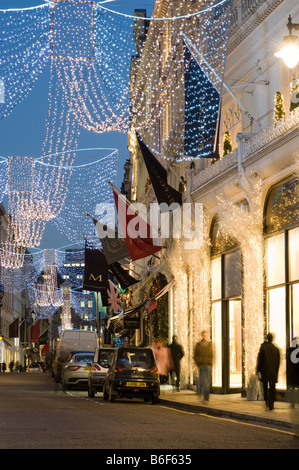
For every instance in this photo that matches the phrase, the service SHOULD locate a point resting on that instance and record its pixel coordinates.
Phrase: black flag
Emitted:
(43, 338)
(14, 329)
(158, 176)
(202, 105)
(115, 249)
(122, 275)
(96, 270)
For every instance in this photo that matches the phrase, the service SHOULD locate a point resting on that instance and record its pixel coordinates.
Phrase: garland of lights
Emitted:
(91, 52)
(246, 226)
(212, 6)
(24, 51)
(71, 221)
(47, 293)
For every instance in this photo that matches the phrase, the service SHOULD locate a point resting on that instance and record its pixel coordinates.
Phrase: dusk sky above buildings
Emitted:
(22, 132)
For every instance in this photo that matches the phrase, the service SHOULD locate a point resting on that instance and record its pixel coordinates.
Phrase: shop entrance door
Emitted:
(234, 344)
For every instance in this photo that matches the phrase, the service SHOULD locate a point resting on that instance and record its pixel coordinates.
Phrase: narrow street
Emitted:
(35, 413)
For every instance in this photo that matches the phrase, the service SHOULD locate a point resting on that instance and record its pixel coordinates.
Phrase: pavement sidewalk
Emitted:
(232, 406)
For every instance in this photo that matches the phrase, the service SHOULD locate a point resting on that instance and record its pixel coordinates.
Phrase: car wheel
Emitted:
(155, 400)
(112, 397)
(105, 394)
(146, 399)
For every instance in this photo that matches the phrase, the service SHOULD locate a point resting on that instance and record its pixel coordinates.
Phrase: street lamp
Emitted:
(289, 51)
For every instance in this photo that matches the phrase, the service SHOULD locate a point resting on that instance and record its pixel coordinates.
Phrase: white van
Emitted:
(72, 341)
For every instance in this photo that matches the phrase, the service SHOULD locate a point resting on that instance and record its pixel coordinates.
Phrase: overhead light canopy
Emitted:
(289, 51)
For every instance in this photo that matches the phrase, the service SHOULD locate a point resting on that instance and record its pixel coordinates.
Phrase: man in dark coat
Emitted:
(177, 353)
(267, 368)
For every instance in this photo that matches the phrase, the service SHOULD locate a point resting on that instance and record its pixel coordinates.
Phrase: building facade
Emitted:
(243, 281)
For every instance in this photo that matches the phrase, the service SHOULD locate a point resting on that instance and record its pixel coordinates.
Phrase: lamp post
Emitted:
(289, 51)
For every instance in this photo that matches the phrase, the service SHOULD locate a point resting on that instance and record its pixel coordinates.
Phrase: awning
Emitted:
(127, 312)
(165, 289)
(5, 343)
(151, 304)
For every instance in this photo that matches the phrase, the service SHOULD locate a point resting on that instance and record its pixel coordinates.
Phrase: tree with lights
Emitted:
(279, 111)
(227, 143)
(160, 314)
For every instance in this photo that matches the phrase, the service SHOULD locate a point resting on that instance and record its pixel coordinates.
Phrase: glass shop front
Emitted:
(281, 267)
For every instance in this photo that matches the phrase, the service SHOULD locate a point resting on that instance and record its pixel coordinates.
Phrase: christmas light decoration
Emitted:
(158, 88)
(178, 267)
(47, 293)
(279, 110)
(71, 263)
(246, 226)
(227, 143)
(66, 314)
(71, 220)
(18, 267)
(25, 208)
(91, 49)
(24, 52)
(83, 304)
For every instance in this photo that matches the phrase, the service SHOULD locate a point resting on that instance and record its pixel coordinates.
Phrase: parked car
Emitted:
(99, 368)
(35, 368)
(133, 374)
(75, 370)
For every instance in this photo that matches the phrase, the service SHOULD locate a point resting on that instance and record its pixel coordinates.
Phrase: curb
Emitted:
(226, 413)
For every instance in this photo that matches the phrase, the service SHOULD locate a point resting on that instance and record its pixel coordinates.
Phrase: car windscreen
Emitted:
(82, 358)
(129, 358)
(105, 358)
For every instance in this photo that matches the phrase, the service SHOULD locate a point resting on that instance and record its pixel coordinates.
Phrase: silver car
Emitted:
(99, 368)
(75, 371)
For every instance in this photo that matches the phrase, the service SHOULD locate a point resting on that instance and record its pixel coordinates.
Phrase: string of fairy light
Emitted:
(91, 49)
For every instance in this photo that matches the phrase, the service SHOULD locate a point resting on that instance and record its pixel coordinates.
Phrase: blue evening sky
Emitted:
(22, 132)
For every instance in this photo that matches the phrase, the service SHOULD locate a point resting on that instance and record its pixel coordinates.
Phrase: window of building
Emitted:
(226, 293)
(282, 266)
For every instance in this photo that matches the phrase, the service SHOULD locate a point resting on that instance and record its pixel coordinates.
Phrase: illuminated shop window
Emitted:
(226, 290)
(282, 267)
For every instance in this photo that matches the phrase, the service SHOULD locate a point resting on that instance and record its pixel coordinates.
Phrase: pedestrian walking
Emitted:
(161, 353)
(11, 366)
(268, 362)
(203, 357)
(177, 353)
(3, 367)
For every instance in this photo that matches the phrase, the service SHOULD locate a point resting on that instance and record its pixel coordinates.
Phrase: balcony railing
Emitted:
(260, 141)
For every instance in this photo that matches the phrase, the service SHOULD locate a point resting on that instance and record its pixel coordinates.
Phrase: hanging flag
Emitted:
(202, 104)
(114, 298)
(43, 338)
(136, 230)
(115, 249)
(96, 270)
(13, 329)
(34, 333)
(122, 275)
(151, 305)
(158, 176)
(23, 335)
(45, 349)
